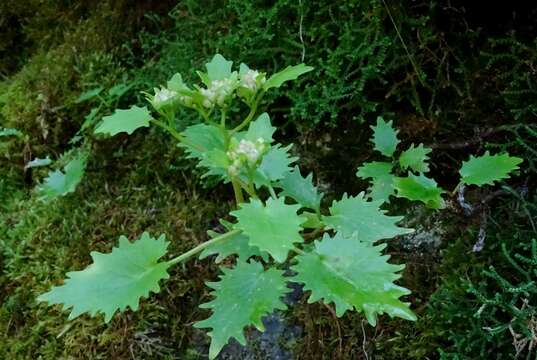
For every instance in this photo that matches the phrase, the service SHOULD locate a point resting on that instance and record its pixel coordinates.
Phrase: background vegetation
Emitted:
(458, 78)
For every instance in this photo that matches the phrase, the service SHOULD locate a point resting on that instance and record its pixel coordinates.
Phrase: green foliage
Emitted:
(301, 189)
(381, 173)
(356, 215)
(242, 296)
(487, 169)
(419, 188)
(218, 68)
(249, 160)
(477, 171)
(273, 227)
(60, 183)
(124, 121)
(385, 137)
(352, 274)
(238, 244)
(287, 74)
(114, 281)
(415, 158)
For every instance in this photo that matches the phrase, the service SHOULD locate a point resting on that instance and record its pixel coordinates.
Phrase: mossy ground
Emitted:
(142, 183)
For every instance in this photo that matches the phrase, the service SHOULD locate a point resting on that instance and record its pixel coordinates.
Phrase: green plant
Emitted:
(404, 176)
(279, 218)
(242, 152)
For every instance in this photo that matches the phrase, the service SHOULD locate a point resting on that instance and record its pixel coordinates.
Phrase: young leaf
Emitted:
(242, 297)
(176, 84)
(59, 183)
(124, 121)
(114, 280)
(419, 188)
(274, 166)
(218, 68)
(300, 189)
(382, 187)
(90, 94)
(235, 245)
(365, 218)
(287, 74)
(272, 228)
(488, 168)
(352, 274)
(38, 162)
(415, 158)
(206, 144)
(261, 128)
(385, 137)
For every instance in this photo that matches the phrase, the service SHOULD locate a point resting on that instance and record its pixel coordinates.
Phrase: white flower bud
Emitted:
(163, 95)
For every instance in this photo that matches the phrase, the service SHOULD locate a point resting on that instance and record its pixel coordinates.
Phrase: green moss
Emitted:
(40, 242)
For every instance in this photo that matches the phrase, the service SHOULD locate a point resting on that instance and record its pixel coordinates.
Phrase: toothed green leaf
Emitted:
(300, 189)
(235, 245)
(287, 74)
(59, 183)
(352, 274)
(382, 179)
(488, 168)
(114, 281)
(419, 188)
(206, 144)
(218, 68)
(276, 163)
(273, 227)
(365, 218)
(385, 137)
(242, 297)
(124, 121)
(261, 128)
(415, 158)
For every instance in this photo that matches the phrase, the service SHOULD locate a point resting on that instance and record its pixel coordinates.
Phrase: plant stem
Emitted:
(176, 134)
(237, 190)
(456, 188)
(200, 247)
(250, 116)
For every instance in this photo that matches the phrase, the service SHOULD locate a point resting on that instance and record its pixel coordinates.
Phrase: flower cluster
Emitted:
(246, 152)
(162, 97)
(250, 79)
(218, 92)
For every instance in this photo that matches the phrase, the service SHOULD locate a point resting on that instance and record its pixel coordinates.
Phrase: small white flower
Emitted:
(162, 95)
(217, 93)
(249, 79)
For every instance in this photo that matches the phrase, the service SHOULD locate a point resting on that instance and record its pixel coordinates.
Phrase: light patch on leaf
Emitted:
(352, 274)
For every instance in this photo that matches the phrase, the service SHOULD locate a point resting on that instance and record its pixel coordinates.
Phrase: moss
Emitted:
(40, 242)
